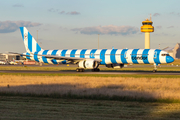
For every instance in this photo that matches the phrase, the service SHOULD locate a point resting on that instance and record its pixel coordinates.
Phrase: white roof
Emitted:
(168, 49)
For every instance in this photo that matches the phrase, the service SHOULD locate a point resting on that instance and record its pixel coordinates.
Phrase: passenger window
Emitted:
(164, 54)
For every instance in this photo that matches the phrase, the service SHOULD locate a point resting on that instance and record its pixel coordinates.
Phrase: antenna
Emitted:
(150, 18)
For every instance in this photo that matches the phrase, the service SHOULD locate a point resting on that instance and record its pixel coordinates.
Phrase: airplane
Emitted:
(92, 58)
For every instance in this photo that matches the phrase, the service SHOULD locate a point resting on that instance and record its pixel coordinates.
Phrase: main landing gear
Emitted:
(155, 68)
(79, 70)
(96, 70)
(82, 70)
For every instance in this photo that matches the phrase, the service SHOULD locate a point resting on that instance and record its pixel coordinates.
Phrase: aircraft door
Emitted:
(155, 55)
(125, 55)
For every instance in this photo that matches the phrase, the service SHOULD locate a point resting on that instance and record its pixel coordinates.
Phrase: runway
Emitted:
(89, 72)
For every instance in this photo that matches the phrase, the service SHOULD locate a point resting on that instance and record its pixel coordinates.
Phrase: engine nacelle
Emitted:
(115, 65)
(88, 64)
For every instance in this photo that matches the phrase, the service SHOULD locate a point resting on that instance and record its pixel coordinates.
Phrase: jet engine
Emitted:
(115, 65)
(88, 64)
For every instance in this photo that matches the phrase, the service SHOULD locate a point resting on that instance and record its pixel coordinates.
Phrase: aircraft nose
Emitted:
(169, 59)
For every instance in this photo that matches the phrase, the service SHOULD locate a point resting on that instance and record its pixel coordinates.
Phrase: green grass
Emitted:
(71, 96)
(17, 107)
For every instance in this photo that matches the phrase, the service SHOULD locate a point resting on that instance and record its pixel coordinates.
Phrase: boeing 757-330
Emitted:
(92, 58)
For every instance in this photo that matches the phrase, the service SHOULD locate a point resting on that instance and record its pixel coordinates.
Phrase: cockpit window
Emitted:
(147, 23)
(164, 54)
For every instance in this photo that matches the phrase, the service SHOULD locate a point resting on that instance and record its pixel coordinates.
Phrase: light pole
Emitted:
(98, 41)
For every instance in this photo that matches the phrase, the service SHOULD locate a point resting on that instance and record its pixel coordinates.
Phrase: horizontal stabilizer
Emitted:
(19, 54)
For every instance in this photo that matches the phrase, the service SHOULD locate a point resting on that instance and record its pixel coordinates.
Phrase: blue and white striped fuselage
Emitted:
(107, 56)
(92, 58)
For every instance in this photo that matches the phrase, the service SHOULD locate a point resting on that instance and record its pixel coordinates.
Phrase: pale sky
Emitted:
(75, 24)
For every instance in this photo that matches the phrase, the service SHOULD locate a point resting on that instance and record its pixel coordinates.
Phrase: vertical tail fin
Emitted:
(29, 42)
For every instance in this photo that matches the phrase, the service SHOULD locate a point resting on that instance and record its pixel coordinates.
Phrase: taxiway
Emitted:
(89, 72)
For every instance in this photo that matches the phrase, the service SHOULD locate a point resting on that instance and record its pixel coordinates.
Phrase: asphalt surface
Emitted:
(89, 72)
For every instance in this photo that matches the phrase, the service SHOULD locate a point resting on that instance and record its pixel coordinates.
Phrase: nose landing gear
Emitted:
(155, 67)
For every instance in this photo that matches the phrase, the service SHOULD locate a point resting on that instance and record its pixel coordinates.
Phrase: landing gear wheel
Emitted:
(79, 70)
(154, 71)
(96, 70)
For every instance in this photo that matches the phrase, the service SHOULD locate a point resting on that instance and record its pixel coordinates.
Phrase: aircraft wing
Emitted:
(72, 59)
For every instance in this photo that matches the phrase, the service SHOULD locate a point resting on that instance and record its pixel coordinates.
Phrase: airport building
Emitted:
(2, 57)
(10, 57)
(173, 51)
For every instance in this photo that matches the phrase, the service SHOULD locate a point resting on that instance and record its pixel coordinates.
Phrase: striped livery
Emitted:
(108, 56)
(101, 56)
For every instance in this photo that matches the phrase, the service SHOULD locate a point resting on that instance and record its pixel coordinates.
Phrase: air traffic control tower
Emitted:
(147, 28)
